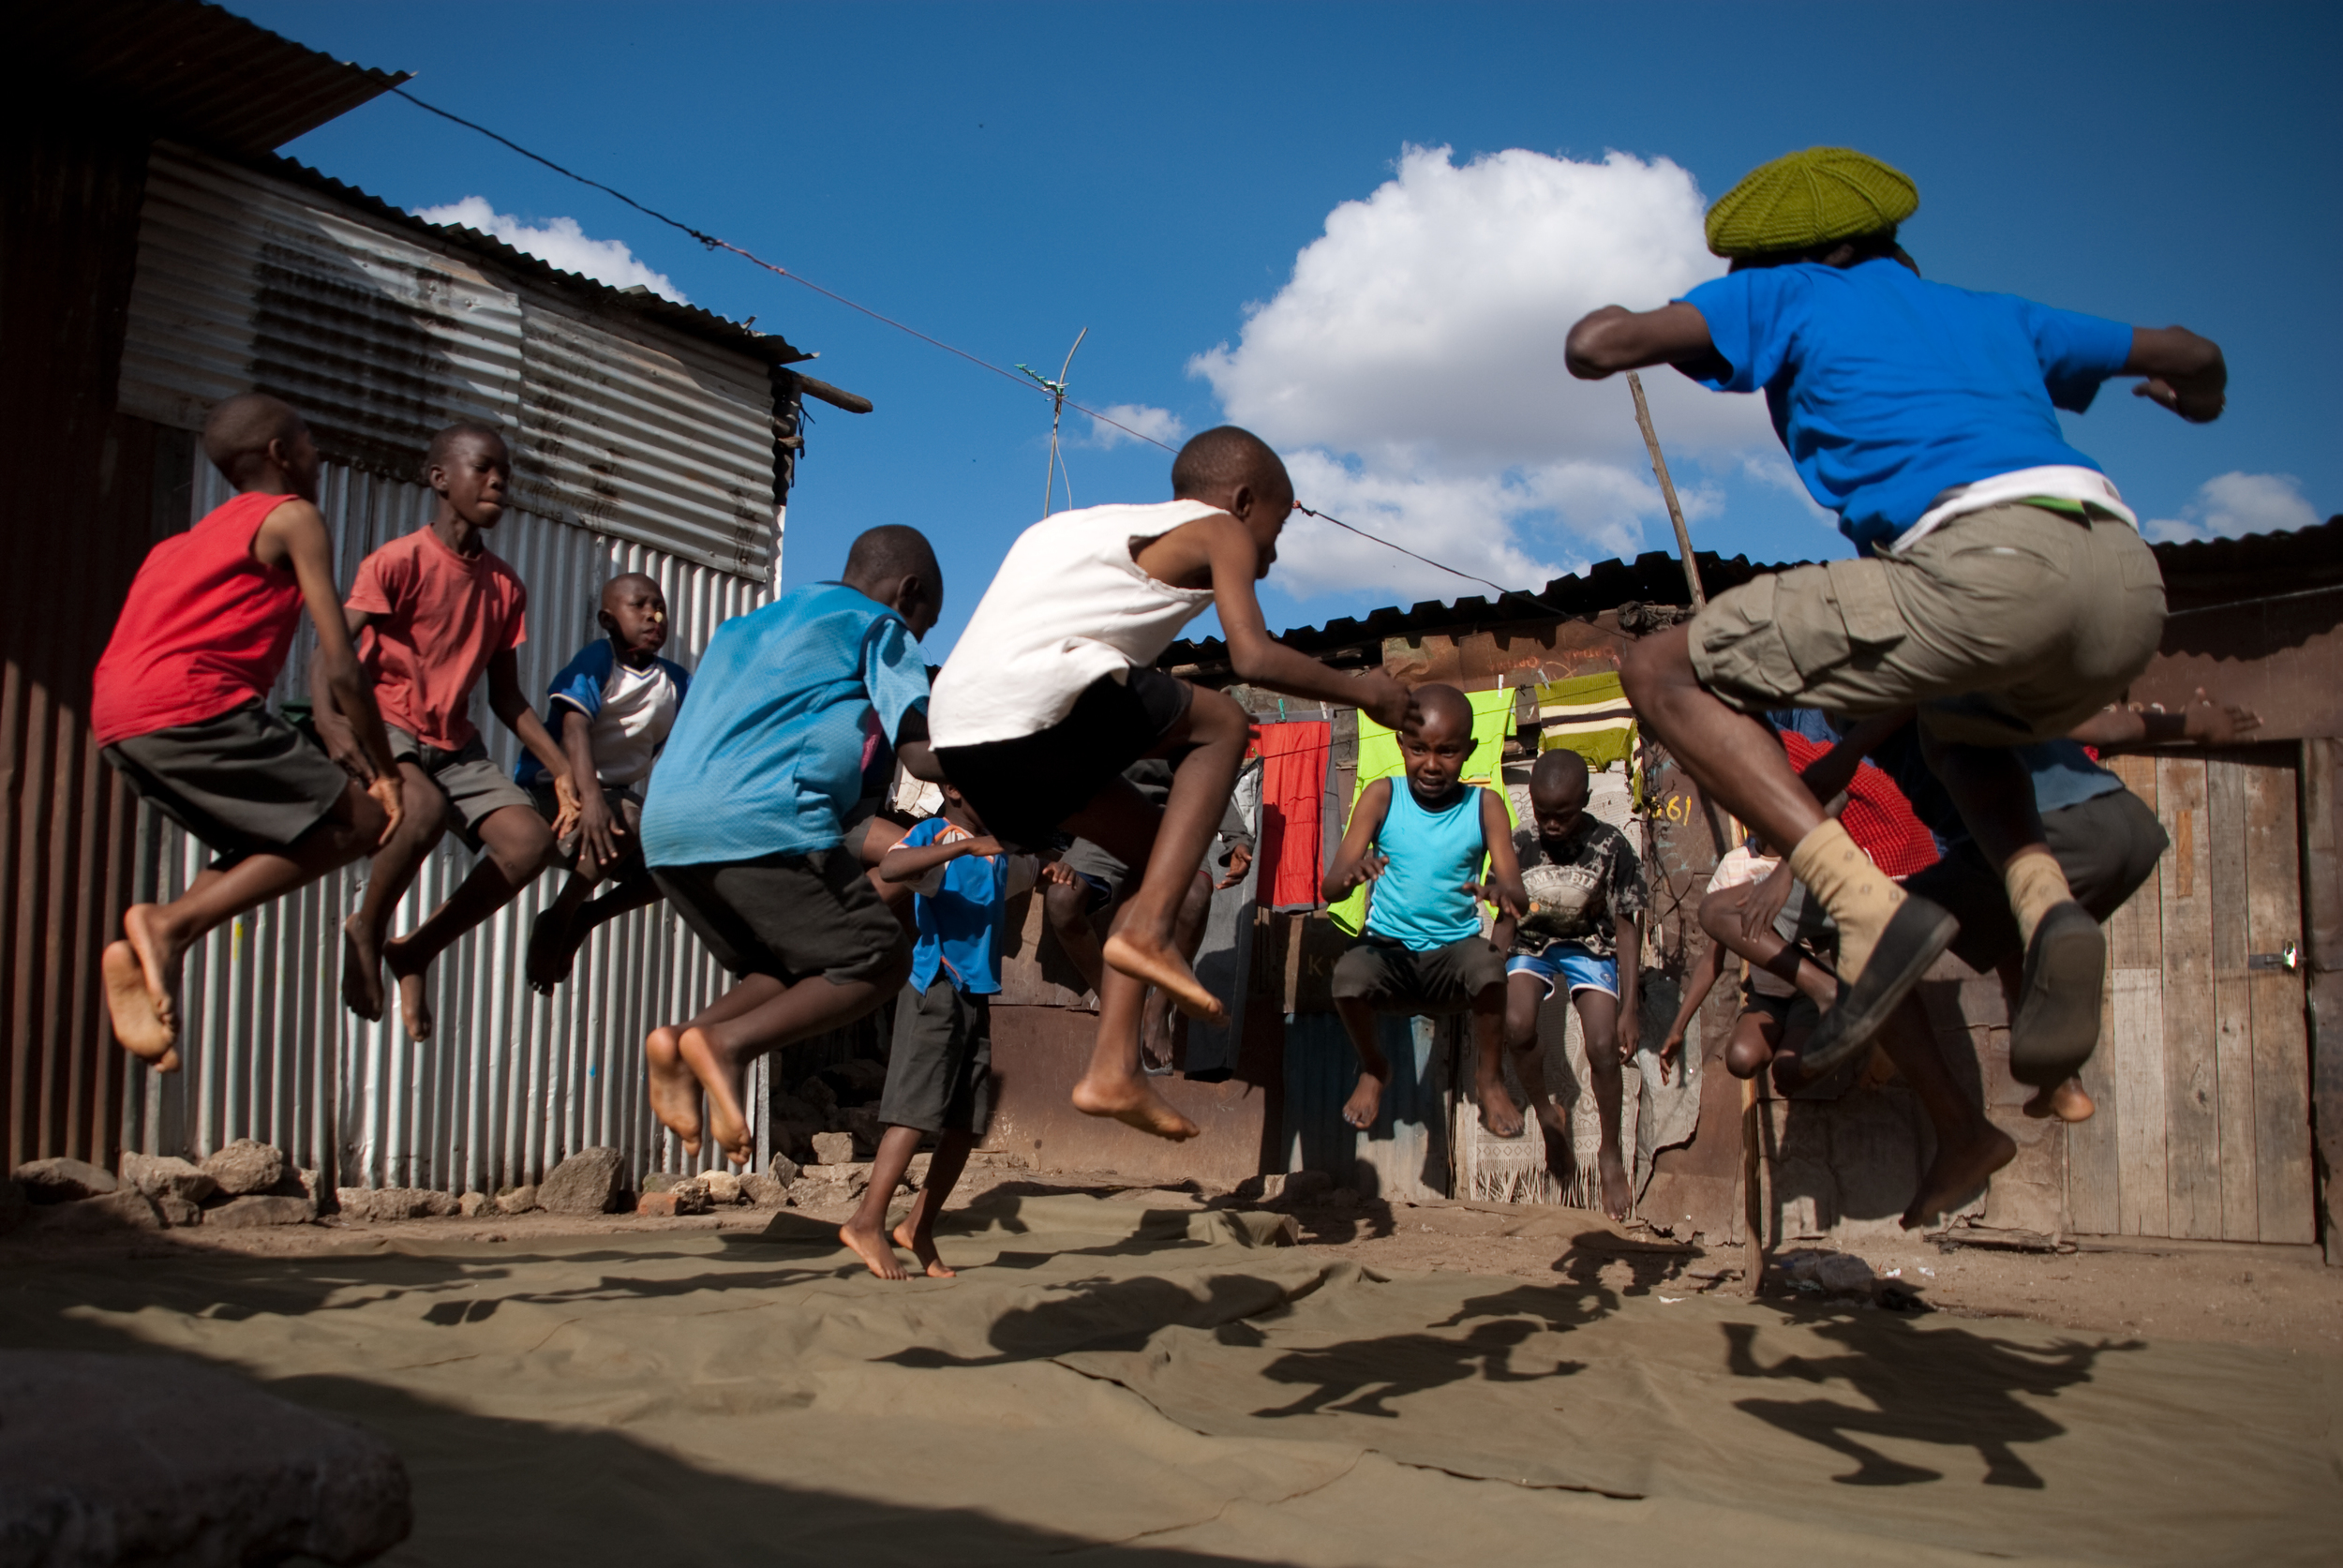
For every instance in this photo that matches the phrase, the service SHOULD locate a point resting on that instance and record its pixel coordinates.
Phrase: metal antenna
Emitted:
(1058, 412)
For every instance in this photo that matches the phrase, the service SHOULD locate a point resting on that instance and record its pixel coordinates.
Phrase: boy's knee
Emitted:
(1216, 716)
(1065, 904)
(1648, 664)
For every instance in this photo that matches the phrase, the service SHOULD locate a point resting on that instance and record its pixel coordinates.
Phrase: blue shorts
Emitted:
(1571, 965)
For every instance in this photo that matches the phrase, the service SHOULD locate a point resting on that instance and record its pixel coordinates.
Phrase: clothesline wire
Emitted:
(714, 242)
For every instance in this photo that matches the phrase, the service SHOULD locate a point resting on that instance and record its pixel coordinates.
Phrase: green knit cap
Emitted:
(1809, 199)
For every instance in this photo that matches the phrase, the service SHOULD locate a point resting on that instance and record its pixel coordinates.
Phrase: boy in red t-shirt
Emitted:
(442, 611)
(179, 705)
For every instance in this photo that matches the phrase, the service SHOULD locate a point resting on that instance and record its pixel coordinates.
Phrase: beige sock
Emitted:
(1859, 896)
(2035, 884)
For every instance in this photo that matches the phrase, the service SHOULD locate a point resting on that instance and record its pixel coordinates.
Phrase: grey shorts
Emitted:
(477, 789)
(2106, 846)
(939, 1070)
(244, 782)
(626, 808)
(790, 917)
(2007, 626)
(1391, 978)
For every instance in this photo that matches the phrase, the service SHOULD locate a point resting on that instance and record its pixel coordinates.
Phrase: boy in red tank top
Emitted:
(178, 704)
(439, 611)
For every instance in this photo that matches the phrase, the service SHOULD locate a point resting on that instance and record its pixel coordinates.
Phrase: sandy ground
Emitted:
(2266, 1297)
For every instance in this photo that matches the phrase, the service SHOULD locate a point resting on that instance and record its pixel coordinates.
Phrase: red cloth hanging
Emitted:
(1292, 786)
(1877, 817)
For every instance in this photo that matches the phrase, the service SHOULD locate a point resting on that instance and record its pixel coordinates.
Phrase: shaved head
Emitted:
(237, 435)
(889, 553)
(1559, 777)
(443, 445)
(626, 583)
(1442, 708)
(1223, 457)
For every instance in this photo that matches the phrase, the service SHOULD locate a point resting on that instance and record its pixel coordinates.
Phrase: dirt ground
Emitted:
(2267, 1297)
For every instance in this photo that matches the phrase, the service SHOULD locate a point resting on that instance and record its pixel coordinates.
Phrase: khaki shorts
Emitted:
(2007, 626)
(477, 789)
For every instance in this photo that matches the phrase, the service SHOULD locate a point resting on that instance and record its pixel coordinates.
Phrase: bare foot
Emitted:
(725, 1080)
(139, 1023)
(2068, 1102)
(1163, 967)
(414, 988)
(1957, 1172)
(362, 971)
(1619, 1193)
(922, 1246)
(1498, 1110)
(551, 953)
(674, 1094)
(870, 1247)
(1366, 1102)
(1133, 1103)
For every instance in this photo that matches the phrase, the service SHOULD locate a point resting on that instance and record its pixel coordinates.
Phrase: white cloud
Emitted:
(558, 241)
(1413, 366)
(1159, 425)
(2231, 505)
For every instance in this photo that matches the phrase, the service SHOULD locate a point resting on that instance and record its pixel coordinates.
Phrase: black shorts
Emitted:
(1783, 1010)
(626, 810)
(1391, 977)
(939, 1070)
(790, 917)
(2106, 846)
(1025, 787)
(244, 782)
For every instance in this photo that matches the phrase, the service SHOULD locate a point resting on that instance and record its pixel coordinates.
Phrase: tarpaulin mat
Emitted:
(1143, 1377)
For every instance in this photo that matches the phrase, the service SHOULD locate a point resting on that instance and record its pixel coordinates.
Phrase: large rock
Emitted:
(168, 1175)
(589, 1182)
(245, 1165)
(110, 1460)
(127, 1209)
(516, 1200)
(394, 1202)
(257, 1209)
(769, 1189)
(833, 1148)
(63, 1181)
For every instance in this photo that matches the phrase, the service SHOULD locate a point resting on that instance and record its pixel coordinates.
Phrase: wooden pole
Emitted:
(1668, 491)
(1753, 1188)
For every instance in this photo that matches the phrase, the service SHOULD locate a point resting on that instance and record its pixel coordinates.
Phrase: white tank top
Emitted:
(1068, 605)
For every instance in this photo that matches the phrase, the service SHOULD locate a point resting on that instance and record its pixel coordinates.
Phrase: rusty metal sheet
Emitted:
(2280, 654)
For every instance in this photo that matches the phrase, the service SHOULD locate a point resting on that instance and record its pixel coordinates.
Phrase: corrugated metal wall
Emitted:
(511, 1081)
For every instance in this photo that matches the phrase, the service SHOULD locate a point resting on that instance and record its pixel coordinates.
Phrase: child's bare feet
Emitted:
(1957, 1172)
(414, 988)
(921, 1245)
(674, 1094)
(871, 1247)
(1162, 965)
(1619, 1193)
(1366, 1102)
(1131, 1101)
(1498, 1112)
(362, 971)
(551, 952)
(142, 1026)
(2068, 1102)
(723, 1076)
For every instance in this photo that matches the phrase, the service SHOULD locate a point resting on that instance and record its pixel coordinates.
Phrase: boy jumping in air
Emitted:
(1422, 952)
(1052, 691)
(2004, 586)
(439, 611)
(179, 707)
(612, 705)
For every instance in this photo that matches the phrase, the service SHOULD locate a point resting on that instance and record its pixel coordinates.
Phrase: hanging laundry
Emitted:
(1294, 782)
(1587, 714)
(1877, 816)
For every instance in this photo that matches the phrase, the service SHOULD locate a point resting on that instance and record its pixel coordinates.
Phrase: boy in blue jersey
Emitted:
(2002, 587)
(939, 1070)
(610, 708)
(1422, 950)
(743, 824)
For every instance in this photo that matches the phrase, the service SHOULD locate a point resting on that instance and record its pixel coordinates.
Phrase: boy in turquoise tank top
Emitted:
(1423, 847)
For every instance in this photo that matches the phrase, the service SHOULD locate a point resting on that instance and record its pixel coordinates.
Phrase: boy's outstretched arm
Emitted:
(1503, 888)
(1702, 981)
(1258, 659)
(335, 681)
(1354, 861)
(1628, 939)
(2184, 373)
(511, 707)
(599, 831)
(336, 727)
(1616, 338)
(909, 865)
(1832, 771)
(2203, 722)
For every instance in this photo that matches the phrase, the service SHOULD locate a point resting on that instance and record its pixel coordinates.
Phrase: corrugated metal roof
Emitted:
(632, 424)
(2302, 549)
(192, 70)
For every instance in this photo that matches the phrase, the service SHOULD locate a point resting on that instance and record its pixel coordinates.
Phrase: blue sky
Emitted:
(1165, 176)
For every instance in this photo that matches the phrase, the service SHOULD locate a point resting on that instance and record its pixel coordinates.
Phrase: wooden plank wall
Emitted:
(2202, 1073)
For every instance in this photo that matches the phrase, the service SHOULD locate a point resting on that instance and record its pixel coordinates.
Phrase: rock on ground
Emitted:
(767, 1189)
(471, 1205)
(63, 1181)
(257, 1209)
(516, 1200)
(87, 1483)
(161, 1175)
(688, 1195)
(589, 1182)
(723, 1188)
(245, 1165)
(393, 1202)
(127, 1209)
(833, 1148)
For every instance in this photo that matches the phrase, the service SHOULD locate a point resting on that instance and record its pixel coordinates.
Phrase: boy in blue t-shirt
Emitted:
(2002, 587)
(610, 709)
(1422, 950)
(743, 824)
(939, 1069)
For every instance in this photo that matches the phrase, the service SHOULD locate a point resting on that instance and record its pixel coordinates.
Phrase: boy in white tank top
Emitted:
(1052, 691)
